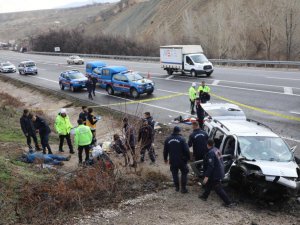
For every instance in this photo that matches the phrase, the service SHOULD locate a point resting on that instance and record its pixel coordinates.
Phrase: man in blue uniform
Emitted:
(178, 151)
(213, 174)
(198, 139)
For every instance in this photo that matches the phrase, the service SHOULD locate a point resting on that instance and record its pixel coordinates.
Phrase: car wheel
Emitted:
(72, 88)
(150, 93)
(69, 63)
(208, 74)
(170, 72)
(110, 90)
(62, 87)
(193, 73)
(36, 73)
(134, 93)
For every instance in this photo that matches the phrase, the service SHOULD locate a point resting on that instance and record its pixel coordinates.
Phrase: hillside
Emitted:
(257, 29)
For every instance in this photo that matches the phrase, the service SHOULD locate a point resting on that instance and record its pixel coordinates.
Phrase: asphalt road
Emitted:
(267, 95)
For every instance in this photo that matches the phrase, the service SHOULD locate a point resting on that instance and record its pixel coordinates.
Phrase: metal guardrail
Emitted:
(229, 62)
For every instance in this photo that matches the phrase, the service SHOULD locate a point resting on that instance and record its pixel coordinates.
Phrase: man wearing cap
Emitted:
(204, 91)
(63, 127)
(178, 151)
(193, 96)
(146, 138)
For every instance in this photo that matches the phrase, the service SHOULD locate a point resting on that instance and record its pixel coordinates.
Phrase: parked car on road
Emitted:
(27, 67)
(94, 66)
(7, 67)
(72, 79)
(75, 59)
(255, 158)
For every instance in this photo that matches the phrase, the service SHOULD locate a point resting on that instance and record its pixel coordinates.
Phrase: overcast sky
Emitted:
(25, 5)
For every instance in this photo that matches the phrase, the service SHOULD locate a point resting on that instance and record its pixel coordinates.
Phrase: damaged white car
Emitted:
(254, 157)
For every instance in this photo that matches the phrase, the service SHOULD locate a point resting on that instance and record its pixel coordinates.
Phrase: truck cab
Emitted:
(187, 59)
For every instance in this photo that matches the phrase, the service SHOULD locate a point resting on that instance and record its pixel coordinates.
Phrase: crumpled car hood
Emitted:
(271, 168)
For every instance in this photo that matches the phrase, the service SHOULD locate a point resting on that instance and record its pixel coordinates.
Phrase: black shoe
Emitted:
(177, 189)
(184, 191)
(60, 150)
(202, 198)
(68, 158)
(72, 152)
(50, 152)
(44, 151)
(230, 205)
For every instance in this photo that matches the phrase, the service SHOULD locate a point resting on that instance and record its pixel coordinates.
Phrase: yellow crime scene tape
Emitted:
(294, 118)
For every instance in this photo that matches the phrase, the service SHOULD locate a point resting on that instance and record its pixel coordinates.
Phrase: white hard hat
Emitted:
(63, 111)
(194, 84)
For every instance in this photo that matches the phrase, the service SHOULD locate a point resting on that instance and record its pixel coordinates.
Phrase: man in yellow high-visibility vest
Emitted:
(193, 96)
(204, 91)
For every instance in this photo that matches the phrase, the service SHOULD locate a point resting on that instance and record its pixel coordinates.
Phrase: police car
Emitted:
(72, 79)
(255, 157)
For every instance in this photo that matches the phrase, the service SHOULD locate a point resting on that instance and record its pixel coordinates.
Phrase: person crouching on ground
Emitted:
(83, 139)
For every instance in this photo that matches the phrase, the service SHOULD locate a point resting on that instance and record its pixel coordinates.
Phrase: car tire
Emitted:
(62, 87)
(72, 88)
(110, 90)
(193, 73)
(134, 93)
(150, 93)
(36, 73)
(69, 63)
(170, 72)
(208, 74)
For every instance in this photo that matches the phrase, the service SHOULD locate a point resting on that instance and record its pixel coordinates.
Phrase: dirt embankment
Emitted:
(157, 203)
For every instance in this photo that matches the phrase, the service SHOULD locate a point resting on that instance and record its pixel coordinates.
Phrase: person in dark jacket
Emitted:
(44, 130)
(84, 114)
(200, 113)
(146, 138)
(119, 147)
(214, 174)
(130, 139)
(178, 151)
(198, 139)
(149, 119)
(29, 130)
(89, 87)
(91, 122)
(94, 81)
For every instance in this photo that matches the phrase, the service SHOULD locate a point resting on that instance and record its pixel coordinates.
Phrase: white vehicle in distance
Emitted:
(186, 59)
(7, 67)
(255, 158)
(27, 67)
(75, 59)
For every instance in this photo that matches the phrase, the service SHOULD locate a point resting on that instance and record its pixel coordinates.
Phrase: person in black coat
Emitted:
(214, 174)
(84, 114)
(146, 138)
(178, 151)
(94, 81)
(28, 130)
(200, 113)
(44, 130)
(198, 139)
(89, 87)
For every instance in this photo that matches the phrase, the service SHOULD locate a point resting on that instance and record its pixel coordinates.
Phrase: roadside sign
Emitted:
(57, 49)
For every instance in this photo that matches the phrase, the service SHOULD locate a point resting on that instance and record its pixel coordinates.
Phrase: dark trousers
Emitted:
(217, 186)
(184, 172)
(86, 150)
(90, 94)
(150, 150)
(192, 106)
(61, 142)
(204, 97)
(94, 89)
(45, 143)
(28, 139)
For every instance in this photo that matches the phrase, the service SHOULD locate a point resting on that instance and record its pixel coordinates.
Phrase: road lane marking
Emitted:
(282, 78)
(288, 90)
(216, 82)
(169, 77)
(284, 116)
(291, 139)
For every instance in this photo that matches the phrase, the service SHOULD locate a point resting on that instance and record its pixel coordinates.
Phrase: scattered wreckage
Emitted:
(254, 156)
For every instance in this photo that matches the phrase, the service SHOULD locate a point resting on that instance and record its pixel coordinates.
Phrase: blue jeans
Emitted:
(48, 158)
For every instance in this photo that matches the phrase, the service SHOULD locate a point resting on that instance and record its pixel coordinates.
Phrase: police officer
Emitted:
(83, 138)
(91, 121)
(44, 130)
(178, 151)
(200, 113)
(63, 127)
(146, 138)
(213, 174)
(28, 129)
(204, 91)
(89, 86)
(193, 96)
(84, 114)
(198, 139)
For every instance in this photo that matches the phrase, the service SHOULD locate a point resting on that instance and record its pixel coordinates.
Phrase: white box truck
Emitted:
(187, 59)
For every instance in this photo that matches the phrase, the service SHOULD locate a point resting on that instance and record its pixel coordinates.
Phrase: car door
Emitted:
(117, 82)
(188, 63)
(20, 67)
(218, 136)
(229, 152)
